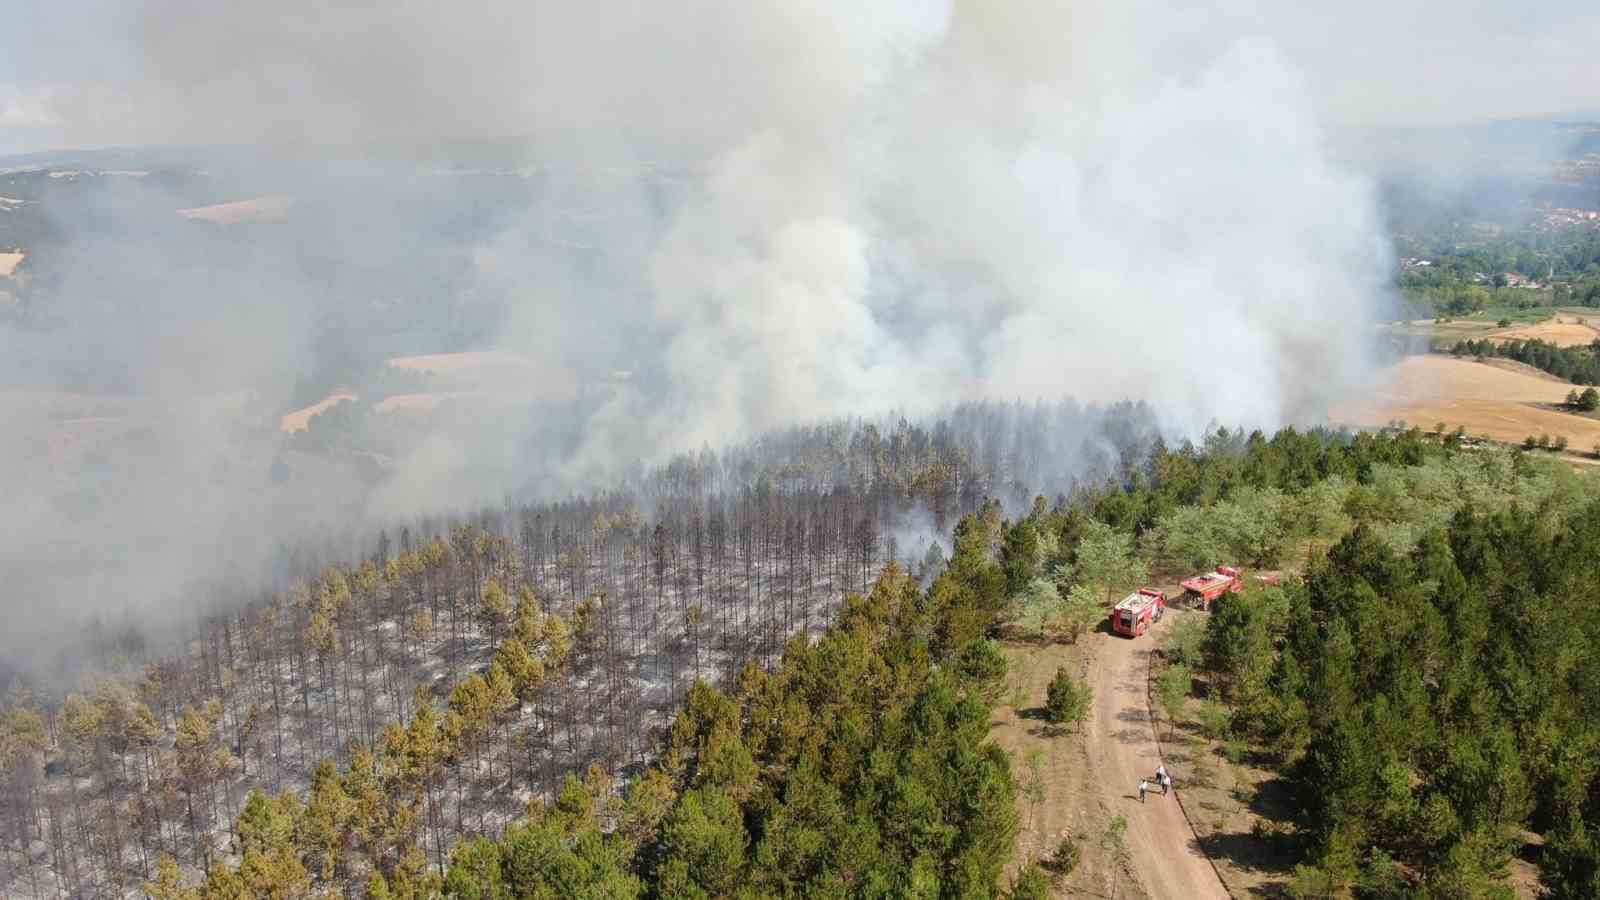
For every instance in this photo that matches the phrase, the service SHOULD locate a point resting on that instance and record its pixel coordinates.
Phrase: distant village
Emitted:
(1501, 279)
(1552, 219)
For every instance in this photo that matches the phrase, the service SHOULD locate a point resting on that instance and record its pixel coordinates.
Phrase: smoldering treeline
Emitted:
(902, 480)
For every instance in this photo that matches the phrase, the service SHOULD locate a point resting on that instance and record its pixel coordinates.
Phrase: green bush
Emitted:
(1172, 689)
(984, 665)
(1031, 884)
(1080, 609)
(1116, 836)
(1215, 721)
(1066, 857)
(1042, 612)
(1067, 702)
(1183, 645)
(1033, 608)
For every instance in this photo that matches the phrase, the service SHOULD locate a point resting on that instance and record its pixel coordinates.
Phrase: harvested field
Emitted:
(300, 419)
(412, 403)
(1522, 368)
(68, 443)
(258, 209)
(23, 405)
(1453, 330)
(457, 363)
(9, 263)
(51, 434)
(488, 372)
(1504, 403)
(427, 403)
(1563, 331)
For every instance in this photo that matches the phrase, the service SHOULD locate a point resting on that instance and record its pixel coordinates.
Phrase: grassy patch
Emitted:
(1516, 314)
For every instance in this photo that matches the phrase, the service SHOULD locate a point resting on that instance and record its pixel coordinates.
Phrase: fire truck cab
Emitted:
(1136, 612)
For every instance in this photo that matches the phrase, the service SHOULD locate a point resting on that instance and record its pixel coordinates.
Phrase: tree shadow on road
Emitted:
(1045, 728)
(1264, 852)
(1273, 857)
(1270, 848)
(1273, 800)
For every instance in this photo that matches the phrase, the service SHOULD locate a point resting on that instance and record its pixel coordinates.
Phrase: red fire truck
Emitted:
(1201, 590)
(1137, 611)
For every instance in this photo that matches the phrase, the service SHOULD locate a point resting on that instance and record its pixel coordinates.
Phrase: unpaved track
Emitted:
(1122, 747)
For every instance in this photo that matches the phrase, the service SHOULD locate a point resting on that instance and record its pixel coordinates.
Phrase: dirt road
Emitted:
(1121, 748)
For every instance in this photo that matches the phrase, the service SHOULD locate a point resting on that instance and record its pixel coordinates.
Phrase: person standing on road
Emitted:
(1163, 779)
(1143, 786)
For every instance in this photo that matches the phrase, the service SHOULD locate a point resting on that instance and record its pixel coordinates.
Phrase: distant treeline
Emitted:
(1468, 265)
(1460, 251)
(1579, 365)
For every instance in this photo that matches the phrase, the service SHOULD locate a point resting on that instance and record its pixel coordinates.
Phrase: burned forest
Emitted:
(481, 660)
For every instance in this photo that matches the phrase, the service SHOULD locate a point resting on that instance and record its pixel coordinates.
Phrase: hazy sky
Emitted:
(87, 73)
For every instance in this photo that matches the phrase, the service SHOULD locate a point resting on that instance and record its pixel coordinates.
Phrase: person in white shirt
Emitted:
(1143, 786)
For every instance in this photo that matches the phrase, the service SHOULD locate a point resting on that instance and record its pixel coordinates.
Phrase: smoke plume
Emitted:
(723, 218)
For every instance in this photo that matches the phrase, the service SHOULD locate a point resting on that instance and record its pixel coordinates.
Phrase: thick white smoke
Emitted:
(999, 202)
